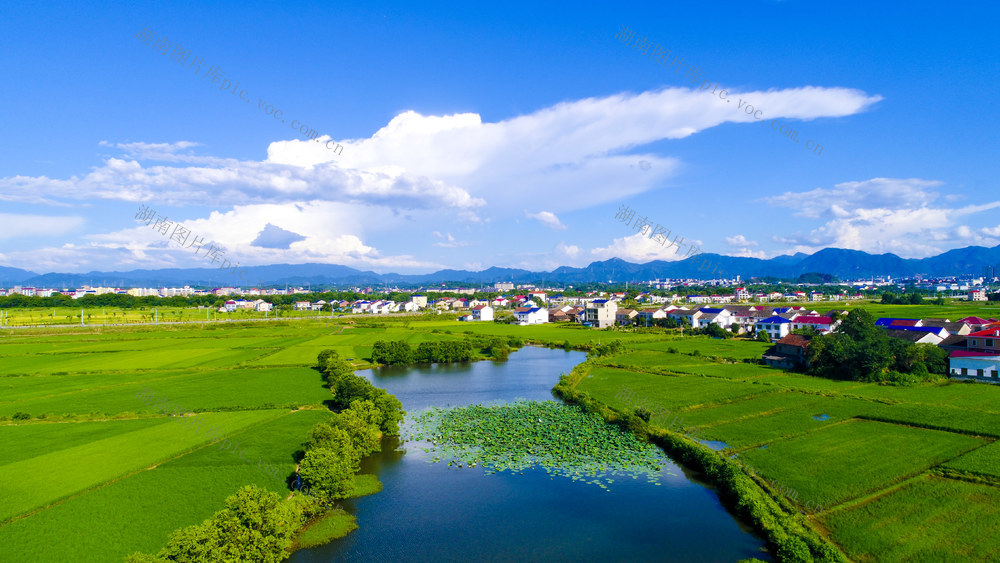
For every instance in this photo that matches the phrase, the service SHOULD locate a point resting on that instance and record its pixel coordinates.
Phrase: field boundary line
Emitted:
(132, 473)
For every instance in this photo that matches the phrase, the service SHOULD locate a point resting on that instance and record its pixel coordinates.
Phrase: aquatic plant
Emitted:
(562, 439)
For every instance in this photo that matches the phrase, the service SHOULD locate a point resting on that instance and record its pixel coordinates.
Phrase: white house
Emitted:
(967, 363)
(721, 317)
(483, 313)
(685, 314)
(600, 313)
(409, 306)
(776, 327)
(262, 306)
(531, 315)
(300, 305)
(648, 315)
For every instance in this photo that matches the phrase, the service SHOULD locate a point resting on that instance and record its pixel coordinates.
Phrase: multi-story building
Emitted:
(600, 313)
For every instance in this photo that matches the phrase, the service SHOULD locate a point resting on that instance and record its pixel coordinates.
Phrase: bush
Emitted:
(21, 416)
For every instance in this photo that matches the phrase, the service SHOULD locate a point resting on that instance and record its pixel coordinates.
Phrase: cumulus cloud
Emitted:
(327, 232)
(880, 215)
(638, 248)
(548, 219)
(454, 168)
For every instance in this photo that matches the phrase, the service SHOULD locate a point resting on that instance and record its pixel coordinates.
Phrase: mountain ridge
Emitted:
(843, 263)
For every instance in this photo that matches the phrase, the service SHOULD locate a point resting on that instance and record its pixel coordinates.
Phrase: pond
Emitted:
(429, 511)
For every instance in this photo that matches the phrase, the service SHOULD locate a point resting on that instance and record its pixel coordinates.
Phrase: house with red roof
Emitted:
(977, 322)
(819, 322)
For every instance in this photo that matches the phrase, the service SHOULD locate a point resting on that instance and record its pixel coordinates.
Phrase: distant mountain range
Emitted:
(845, 264)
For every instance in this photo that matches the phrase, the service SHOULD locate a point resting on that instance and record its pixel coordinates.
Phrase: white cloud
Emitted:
(330, 234)
(448, 167)
(449, 241)
(740, 241)
(882, 215)
(20, 226)
(638, 248)
(548, 219)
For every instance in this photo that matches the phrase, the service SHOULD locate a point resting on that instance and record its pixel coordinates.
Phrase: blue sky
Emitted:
(507, 135)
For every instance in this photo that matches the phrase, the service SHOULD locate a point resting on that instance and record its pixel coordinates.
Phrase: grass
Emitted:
(981, 461)
(35, 482)
(928, 519)
(880, 473)
(335, 524)
(845, 461)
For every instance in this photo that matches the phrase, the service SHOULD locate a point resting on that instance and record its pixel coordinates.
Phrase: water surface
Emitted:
(432, 512)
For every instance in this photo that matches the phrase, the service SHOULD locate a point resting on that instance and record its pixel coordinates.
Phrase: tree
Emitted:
(365, 436)
(395, 352)
(255, 525)
(326, 436)
(391, 410)
(762, 336)
(326, 472)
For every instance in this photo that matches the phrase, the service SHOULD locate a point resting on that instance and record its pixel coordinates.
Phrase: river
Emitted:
(432, 512)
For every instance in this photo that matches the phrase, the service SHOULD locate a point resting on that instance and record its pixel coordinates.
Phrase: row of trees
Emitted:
(400, 353)
(861, 351)
(335, 448)
(912, 298)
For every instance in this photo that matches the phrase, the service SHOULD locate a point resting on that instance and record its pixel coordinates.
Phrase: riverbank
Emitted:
(789, 535)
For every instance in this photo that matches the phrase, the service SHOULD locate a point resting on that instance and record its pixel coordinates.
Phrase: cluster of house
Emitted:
(973, 344)
(185, 291)
(741, 294)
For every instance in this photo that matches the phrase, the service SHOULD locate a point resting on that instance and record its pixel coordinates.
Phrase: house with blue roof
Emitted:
(776, 327)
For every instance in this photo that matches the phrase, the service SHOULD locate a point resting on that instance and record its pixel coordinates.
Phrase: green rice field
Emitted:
(902, 473)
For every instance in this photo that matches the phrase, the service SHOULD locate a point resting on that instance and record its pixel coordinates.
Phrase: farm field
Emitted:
(927, 519)
(74, 391)
(849, 446)
(137, 472)
(877, 459)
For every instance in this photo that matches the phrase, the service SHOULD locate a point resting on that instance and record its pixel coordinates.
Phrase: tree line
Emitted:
(399, 352)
